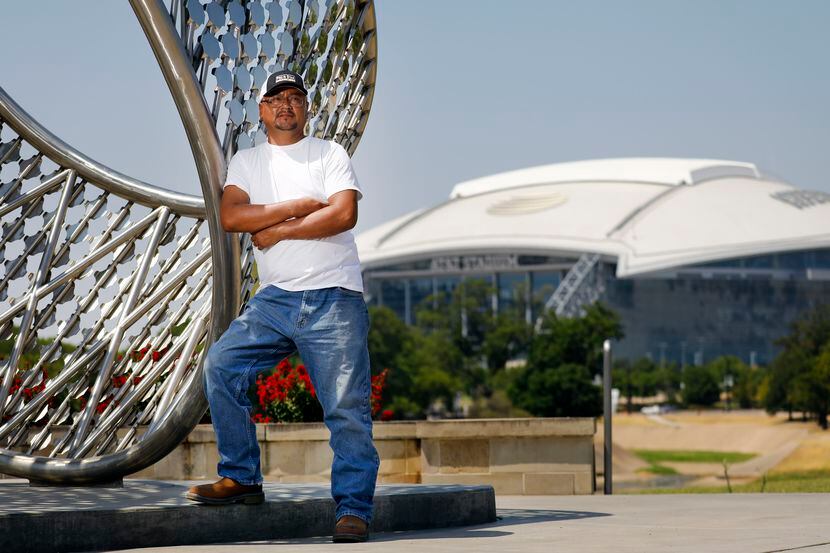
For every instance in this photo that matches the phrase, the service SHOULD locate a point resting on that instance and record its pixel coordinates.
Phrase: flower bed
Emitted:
(286, 394)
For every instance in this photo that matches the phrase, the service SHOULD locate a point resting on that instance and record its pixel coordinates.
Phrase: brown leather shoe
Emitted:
(350, 529)
(225, 492)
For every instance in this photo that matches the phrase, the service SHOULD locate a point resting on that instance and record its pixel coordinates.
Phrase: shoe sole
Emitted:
(349, 538)
(246, 499)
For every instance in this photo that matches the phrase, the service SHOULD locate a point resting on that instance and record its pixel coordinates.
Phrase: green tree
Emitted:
(746, 380)
(728, 368)
(819, 386)
(564, 356)
(796, 379)
(462, 319)
(782, 393)
(432, 363)
(563, 391)
(574, 340)
(421, 366)
(623, 377)
(465, 315)
(496, 402)
(508, 338)
(458, 344)
(390, 342)
(700, 385)
(647, 378)
(667, 379)
(486, 340)
(644, 378)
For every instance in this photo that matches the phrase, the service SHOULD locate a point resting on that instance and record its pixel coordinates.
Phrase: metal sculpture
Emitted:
(111, 289)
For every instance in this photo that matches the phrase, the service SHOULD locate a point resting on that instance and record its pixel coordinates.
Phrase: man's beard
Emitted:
(291, 125)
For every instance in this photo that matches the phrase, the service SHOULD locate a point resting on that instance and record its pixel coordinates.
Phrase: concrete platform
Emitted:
(738, 523)
(155, 513)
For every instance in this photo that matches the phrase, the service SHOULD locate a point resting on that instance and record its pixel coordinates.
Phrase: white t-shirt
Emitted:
(310, 168)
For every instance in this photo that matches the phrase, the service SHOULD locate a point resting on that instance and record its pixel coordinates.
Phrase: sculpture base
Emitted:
(155, 514)
(41, 484)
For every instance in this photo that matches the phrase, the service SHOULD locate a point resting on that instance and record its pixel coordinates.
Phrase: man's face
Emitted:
(286, 110)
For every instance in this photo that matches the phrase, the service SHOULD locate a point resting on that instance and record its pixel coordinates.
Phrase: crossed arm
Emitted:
(300, 219)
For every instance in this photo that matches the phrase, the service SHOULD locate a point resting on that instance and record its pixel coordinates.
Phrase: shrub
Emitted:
(563, 391)
(286, 394)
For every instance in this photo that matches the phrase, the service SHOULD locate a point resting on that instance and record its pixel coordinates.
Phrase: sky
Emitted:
(469, 88)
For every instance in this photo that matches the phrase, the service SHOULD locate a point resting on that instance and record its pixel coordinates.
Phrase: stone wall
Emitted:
(515, 456)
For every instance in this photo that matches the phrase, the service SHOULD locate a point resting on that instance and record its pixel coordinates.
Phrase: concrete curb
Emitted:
(155, 514)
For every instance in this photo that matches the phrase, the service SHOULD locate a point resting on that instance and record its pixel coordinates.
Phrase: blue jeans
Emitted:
(329, 329)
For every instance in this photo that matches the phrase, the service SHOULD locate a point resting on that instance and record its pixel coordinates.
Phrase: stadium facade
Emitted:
(700, 258)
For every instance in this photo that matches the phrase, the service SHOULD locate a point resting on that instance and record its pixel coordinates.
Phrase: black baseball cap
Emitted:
(279, 80)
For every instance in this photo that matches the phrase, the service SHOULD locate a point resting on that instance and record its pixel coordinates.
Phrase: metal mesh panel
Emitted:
(99, 297)
(234, 48)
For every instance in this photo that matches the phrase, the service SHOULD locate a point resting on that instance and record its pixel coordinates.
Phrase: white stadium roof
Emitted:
(647, 214)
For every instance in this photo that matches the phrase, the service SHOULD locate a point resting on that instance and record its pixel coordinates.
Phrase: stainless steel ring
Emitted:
(112, 289)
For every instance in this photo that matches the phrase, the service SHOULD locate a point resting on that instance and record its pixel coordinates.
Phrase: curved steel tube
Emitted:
(369, 26)
(67, 156)
(200, 129)
(183, 415)
(207, 153)
(177, 423)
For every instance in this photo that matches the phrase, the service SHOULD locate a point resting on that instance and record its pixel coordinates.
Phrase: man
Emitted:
(297, 197)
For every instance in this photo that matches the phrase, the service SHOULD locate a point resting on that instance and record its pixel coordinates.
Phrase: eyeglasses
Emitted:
(294, 100)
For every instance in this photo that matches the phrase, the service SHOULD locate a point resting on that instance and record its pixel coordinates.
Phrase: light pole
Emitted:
(607, 414)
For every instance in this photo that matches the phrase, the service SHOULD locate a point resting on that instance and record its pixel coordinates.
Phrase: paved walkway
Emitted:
(739, 523)
(148, 513)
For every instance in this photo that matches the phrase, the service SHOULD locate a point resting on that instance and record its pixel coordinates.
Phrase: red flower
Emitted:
(158, 354)
(286, 395)
(103, 405)
(378, 384)
(16, 383)
(138, 354)
(387, 415)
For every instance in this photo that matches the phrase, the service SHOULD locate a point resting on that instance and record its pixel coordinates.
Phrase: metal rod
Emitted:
(114, 417)
(34, 297)
(207, 152)
(196, 335)
(35, 193)
(105, 369)
(69, 158)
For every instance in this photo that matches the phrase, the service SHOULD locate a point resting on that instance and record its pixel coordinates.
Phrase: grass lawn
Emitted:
(658, 469)
(814, 481)
(655, 458)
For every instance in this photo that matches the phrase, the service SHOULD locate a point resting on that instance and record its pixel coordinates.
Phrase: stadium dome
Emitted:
(642, 214)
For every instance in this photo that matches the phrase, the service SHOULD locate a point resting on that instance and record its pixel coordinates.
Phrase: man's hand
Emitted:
(237, 214)
(267, 237)
(339, 215)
